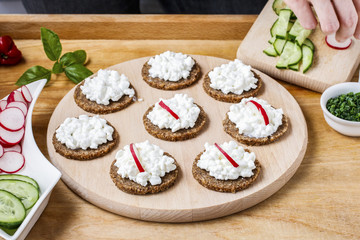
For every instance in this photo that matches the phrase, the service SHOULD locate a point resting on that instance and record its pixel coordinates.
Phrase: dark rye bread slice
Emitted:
(180, 135)
(168, 85)
(88, 154)
(93, 107)
(129, 186)
(230, 97)
(233, 186)
(233, 131)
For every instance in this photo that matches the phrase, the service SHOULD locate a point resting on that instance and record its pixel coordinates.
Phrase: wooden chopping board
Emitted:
(187, 200)
(330, 66)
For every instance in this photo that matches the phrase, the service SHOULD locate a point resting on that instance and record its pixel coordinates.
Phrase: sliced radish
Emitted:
(26, 94)
(11, 138)
(333, 43)
(4, 144)
(227, 156)
(12, 119)
(1, 150)
(21, 105)
(137, 162)
(16, 96)
(12, 162)
(3, 104)
(164, 106)
(15, 148)
(261, 110)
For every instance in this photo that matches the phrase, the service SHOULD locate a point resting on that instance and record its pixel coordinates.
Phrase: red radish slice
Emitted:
(164, 106)
(26, 94)
(11, 138)
(12, 162)
(262, 111)
(333, 43)
(138, 164)
(3, 104)
(15, 148)
(21, 105)
(227, 156)
(4, 144)
(2, 150)
(12, 119)
(16, 96)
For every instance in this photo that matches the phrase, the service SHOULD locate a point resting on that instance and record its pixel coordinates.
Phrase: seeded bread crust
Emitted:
(88, 154)
(233, 186)
(129, 186)
(93, 107)
(233, 131)
(168, 85)
(230, 97)
(180, 135)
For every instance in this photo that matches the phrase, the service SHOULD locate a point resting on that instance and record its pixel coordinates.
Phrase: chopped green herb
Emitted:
(345, 106)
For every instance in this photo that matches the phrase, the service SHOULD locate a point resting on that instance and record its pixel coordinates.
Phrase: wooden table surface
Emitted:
(321, 201)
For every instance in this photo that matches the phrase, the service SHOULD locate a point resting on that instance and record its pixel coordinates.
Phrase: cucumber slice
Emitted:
(279, 45)
(272, 40)
(295, 67)
(299, 33)
(22, 178)
(278, 5)
(12, 211)
(309, 43)
(291, 55)
(308, 57)
(290, 25)
(26, 192)
(282, 23)
(270, 51)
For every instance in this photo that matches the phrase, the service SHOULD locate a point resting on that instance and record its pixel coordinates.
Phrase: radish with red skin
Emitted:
(12, 162)
(4, 144)
(2, 150)
(22, 106)
(3, 104)
(16, 96)
(26, 94)
(166, 107)
(11, 138)
(261, 110)
(15, 148)
(333, 43)
(12, 119)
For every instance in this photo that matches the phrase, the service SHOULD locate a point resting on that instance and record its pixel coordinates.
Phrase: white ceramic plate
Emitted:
(36, 167)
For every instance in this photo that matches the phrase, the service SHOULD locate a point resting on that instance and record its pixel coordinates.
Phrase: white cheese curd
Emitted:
(151, 158)
(84, 132)
(249, 120)
(233, 77)
(107, 85)
(218, 166)
(182, 105)
(170, 66)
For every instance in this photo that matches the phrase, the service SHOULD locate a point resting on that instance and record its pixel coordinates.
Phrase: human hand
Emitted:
(340, 16)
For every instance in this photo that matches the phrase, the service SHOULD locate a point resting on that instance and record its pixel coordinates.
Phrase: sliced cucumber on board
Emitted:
(291, 55)
(308, 57)
(282, 24)
(270, 51)
(299, 33)
(295, 67)
(279, 45)
(12, 210)
(278, 5)
(26, 192)
(309, 43)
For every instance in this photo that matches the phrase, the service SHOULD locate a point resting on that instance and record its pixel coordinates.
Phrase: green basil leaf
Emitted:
(57, 68)
(77, 72)
(70, 58)
(51, 44)
(33, 74)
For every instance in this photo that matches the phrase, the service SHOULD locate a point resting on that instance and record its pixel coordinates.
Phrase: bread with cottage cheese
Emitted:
(230, 97)
(232, 186)
(131, 187)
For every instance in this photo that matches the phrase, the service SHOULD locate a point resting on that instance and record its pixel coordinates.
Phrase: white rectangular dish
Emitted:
(36, 167)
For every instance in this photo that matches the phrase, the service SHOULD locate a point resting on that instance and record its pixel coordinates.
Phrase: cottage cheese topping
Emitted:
(152, 159)
(218, 166)
(107, 85)
(170, 66)
(183, 106)
(250, 122)
(84, 132)
(234, 77)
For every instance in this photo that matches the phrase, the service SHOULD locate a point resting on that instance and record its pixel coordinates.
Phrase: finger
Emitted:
(357, 30)
(324, 9)
(303, 12)
(348, 19)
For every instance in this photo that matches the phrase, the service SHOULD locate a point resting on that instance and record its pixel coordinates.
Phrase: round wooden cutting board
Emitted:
(187, 200)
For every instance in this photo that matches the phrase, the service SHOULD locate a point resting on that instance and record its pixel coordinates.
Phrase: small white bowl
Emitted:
(348, 128)
(36, 167)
